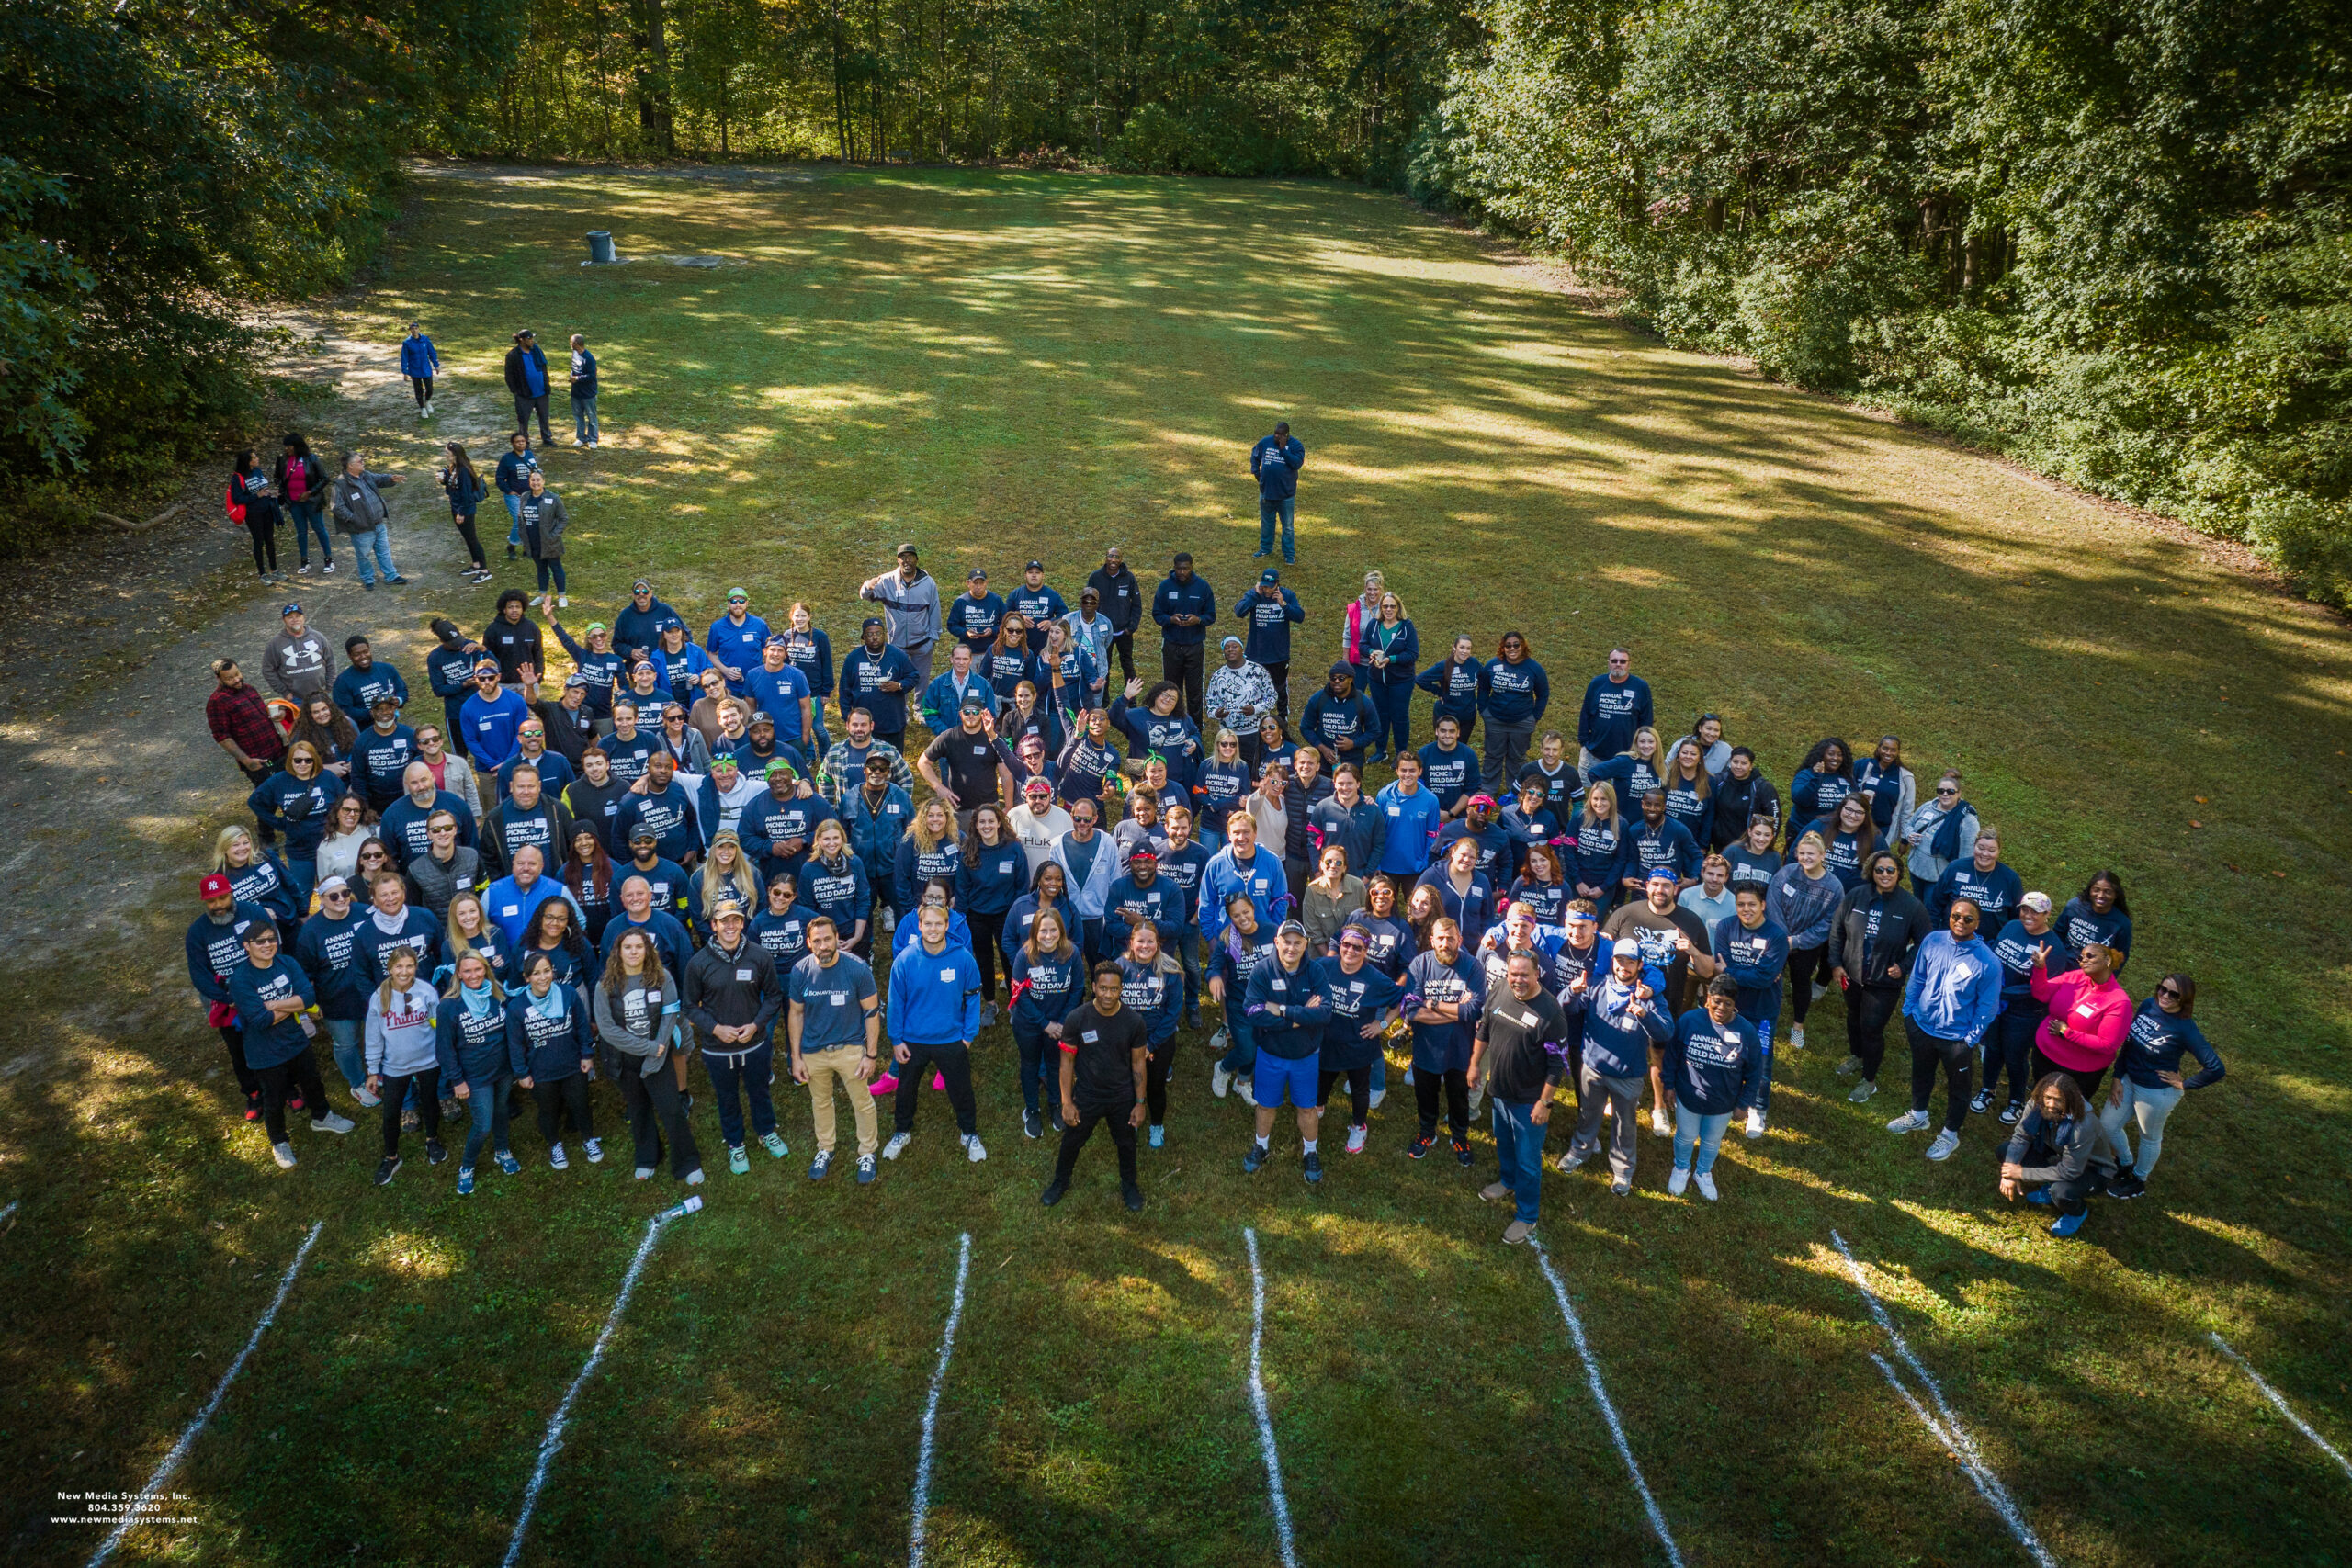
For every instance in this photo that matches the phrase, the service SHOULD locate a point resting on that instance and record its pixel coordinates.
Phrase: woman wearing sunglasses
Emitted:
(2148, 1081)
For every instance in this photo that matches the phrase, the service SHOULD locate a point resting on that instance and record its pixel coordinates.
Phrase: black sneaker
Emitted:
(1032, 1125)
(433, 1151)
(1982, 1103)
(1462, 1152)
(390, 1168)
(1053, 1194)
(2125, 1185)
(510, 552)
(1315, 1166)
(1421, 1146)
(2012, 1114)
(1132, 1196)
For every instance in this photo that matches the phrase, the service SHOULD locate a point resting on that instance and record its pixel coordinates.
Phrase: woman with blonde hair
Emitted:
(1804, 901)
(1047, 973)
(257, 876)
(296, 803)
(833, 884)
(469, 931)
(401, 1054)
(1689, 791)
(727, 874)
(1640, 769)
(477, 1061)
(637, 1009)
(930, 850)
(1330, 901)
(1391, 649)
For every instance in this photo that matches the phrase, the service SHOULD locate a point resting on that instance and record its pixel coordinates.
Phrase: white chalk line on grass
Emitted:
(921, 1507)
(8, 1210)
(1608, 1411)
(1258, 1403)
(553, 1442)
(178, 1455)
(1948, 1431)
(2273, 1395)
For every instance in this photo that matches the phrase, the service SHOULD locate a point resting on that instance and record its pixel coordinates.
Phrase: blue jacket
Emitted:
(474, 1049)
(1954, 992)
(1512, 693)
(1157, 995)
(935, 997)
(989, 884)
(1172, 598)
(1274, 462)
(418, 357)
(875, 830)
(1297, 1033)
(1710, 1067)
(1616, 1044)
(1611, 712)
(943, 700)
(1263, 881)
(1361, 830)
(634, 629)
(549, 1048)
(251, 991)
(1268, 638)
(1366, 997)
(1404, 651)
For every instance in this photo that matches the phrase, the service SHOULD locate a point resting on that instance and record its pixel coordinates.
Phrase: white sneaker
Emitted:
(1220, 1080)
(645, 1173)
(366, 1101)
(1246, 1090)
(896, 1146)
(889, 920)
(1678, 1181)
(1658, 1124)
(1756, 1121)
(285, 1153)
(1796, 1037)
(1947, 1141)
(693, 1176)
(1377, 1096)
(1356, 1137)
(563, 600)
(333, 1123)
(988, 1015)
(557, 1158)
(1706, 1179)
(595, 1151)
(975, 1150)
(1909, 1122)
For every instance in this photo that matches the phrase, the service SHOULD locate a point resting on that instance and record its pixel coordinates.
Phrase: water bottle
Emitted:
(680, 1211)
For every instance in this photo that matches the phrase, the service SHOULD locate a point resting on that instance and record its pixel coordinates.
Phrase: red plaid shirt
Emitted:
(240, 714)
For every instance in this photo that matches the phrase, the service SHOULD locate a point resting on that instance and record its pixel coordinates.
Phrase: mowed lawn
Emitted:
(998, 366)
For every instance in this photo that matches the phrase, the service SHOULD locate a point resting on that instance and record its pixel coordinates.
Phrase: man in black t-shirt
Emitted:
(1105, 1044)
(963, 763)
(1522, 1047)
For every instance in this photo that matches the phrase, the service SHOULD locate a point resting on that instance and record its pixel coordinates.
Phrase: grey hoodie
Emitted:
(298, 667)
(910, 609)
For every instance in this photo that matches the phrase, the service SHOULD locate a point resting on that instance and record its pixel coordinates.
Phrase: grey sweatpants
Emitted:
(1621, 1096)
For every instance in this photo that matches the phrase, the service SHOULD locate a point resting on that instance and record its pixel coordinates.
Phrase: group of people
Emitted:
(729, 845)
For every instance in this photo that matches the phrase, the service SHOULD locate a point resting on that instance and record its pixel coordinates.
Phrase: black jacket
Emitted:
(1124, 614)
(741, 988)
(1902, 922)
(516, 382)
(1736, 800)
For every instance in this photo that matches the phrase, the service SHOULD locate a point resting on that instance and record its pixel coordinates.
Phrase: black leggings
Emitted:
(1959, 1061)
(985, 931)
(234, 1038)
(428, 1106)
(1868, 1009)
(2087, 1082)
(1359, 1091)
(655, 1109)
(1804, 963)
(2008, 1045)
(1156, 1067)
(1455, 1081)
(261, 524)
(300, 1074)
(568, 1092)
(422, 387)
(954, 1064)
(1123, 1134)
(473, 541)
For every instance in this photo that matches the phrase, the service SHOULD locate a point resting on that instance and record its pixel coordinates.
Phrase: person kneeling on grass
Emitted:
(935, 1013)
(733, 997)
(637, 1011)
(402, 1053)
(548, 1026)
(1714, 1065)
(1523, 1047)
(2048, 1158)
(271, 993)
(1288, 1015)
(478, 1060)
(1105, 1063)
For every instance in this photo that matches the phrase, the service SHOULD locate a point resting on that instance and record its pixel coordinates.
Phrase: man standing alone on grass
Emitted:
(1275, 462)
(1105, 1047)
(1522, 1047)
(526, 377)
(910, 601)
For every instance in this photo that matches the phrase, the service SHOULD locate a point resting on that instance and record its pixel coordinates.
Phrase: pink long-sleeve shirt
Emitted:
(2097, 1018)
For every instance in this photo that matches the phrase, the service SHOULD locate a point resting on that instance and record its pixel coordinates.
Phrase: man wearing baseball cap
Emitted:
(1038, 822)
(1185, 607)
(216, 947)
(637, 630)
(777, 687)
(1269, 611)
(732, 999)
(723, 794)
(1674, 941)
(270, 992)
(973, 617)
(1620, 1020)
(1119, 597)
(1287, 1010)
(490, 718)
(875, 681)
(298, 664)
(910, 601)
(1039, 604)
(736, 640)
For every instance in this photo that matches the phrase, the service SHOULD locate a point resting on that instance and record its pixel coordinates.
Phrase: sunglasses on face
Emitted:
(436, 833)
(2172, 991)
(1941, 792)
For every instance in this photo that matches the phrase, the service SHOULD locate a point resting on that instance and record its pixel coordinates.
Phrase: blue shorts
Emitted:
(1272, 1077)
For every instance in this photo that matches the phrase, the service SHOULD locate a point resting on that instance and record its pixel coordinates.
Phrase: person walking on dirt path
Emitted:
(466, 491)
(1274, 462)
(514, 471)
(910, 601)
(360, 512)
(584, 394)
(420, 362)
(526, 377)
(252, 505)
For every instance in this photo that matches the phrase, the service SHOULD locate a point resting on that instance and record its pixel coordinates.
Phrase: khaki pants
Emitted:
(841, 1065)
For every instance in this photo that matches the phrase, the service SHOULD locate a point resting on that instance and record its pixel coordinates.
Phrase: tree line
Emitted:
(2109, 238)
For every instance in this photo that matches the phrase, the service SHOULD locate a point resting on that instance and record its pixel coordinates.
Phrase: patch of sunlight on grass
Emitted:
(2317, 1095)
(1342, 258)
(2277, 1254)
(838, 396)
(415, 1255)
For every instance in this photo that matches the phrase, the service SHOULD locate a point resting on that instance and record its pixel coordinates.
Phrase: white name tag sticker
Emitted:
(1282, 985)
(743, 974)
(947, 974)
(652, 995)
(1090, 1037)
(510, 910)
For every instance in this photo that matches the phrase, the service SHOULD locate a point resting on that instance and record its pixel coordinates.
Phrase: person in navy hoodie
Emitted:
(1660, 842)
(1615, 704)
(548, 1026)
(1714, 1065)
(974, 615)
(1339, 721)
(1620, 1017)
(1185, 607)
(270, 992)
(1274, 463)
(1513, 694)
(216, 947)
(1452, 685)
(1287, 1013)
(420, 362)
(2148, 1083)
(478, 1062)
(1269, 610)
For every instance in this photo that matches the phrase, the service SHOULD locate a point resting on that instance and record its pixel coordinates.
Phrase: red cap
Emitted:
(213, 886)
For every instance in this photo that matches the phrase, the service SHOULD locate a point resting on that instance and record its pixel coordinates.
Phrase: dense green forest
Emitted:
(2111, 239)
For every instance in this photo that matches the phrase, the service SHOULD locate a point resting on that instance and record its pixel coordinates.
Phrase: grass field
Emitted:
(1004, 366)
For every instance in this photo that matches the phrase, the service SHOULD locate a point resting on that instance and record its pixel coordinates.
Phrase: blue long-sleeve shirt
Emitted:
(1616, 1043)
(474, 1047)
(1327, 721)
(216, 951)
(1612, 710)
(1669, 844)
(1598, 852)
(1156, 994)
(490, 726)
(1270, 619)
(1172, 598)
(841, 892)
(1455, 688)
(935, 997)
(355, 691)
(1045, 990)
(911, 866)
(973, 621)
(549, 1048)
(270, 1042)
(1262, 879)
(1512, 693)
(1713, 1067)
(1411, 828)
(328, 951)
(1755, 958)
(1954, 991)
(862, 674)
(1274, 462)
(990, 882)
(2157, 1041)
(1366, 997)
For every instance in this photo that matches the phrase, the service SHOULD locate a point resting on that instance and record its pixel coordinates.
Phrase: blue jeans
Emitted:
(484, 1095)
(1519, 1142)
(303, 871)
(1707, 1132)
(1392, 708)
(514, 511)
(2146, 1109)
(1040, 1066)
(350, 1051)
(1245, 1044)
(550, 569)
(583, 419)
(1763, 1027)
(379, 540)
(750, 1070)
(1288, 510)
(1188, 953)
(310, 517)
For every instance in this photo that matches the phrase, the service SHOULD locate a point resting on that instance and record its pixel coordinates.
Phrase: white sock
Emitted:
(1263, 1144)
(1307, 1147)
